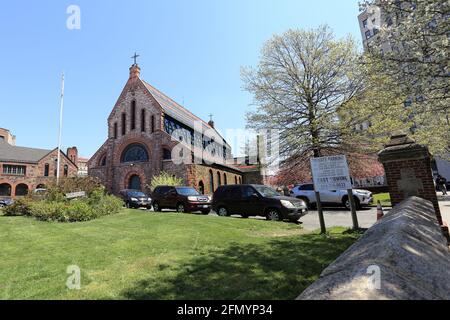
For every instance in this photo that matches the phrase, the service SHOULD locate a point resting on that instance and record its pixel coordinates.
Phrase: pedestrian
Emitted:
(441, 182)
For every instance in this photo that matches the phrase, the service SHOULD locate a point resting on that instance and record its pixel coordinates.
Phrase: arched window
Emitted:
(201, 187)
(211, 181)
(235, 180)
(153, 123)
(21, 190)
(124, 124)
(167, 154)
(102, 162)
(5, 190)
(225, 179)
(41, 186)
(240, 180)
(133, 115)
(115, 130)
(66, 170)
(219, 179)
(135, 153)
(143, 120)
(46, 170)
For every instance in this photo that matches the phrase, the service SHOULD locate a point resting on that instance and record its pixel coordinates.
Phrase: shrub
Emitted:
(165, 179)
(107, 205)
(20, 207)
(79, 210)
(48, 210)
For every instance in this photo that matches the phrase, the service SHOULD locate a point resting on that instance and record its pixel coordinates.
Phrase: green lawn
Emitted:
(142, 255)
(384, 198)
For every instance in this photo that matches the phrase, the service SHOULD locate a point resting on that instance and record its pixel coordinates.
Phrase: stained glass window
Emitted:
(135, 153)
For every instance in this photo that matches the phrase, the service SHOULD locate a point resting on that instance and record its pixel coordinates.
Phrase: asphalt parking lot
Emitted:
(334, 217)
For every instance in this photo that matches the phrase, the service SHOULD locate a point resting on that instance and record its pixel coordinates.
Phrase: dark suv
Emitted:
(257, 200)
(183, 199)
(136, 199)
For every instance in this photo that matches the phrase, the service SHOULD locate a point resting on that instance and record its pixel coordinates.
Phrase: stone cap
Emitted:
(402, 147)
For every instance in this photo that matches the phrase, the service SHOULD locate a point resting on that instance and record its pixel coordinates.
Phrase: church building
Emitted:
(144, 128)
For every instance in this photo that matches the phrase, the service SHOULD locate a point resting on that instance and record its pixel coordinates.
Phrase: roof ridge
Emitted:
(176, 103)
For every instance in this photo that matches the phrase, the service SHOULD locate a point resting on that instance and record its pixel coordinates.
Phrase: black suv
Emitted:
(183, 199)
(257, 200)
(136, 199)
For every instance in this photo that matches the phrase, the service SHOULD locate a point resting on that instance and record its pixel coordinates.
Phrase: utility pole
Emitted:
(60, 130)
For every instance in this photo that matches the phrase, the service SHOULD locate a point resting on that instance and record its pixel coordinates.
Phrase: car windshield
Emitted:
(188, 192)
(137, 194)
(267, 191)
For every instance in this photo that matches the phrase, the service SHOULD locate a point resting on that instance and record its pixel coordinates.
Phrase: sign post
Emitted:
(332, 173)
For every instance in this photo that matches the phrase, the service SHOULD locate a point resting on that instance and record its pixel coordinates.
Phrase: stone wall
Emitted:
(406, 249)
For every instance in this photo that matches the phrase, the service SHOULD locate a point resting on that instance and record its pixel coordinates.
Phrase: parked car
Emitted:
(182, 199)
(136, 199)
(5, 202)
(257, 200)
(306, 193)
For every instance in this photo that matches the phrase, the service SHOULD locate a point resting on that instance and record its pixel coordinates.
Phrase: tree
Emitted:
(412, 47)
(165, 179)
(315, 91)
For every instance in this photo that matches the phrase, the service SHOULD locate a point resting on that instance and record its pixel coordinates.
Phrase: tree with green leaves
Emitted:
(412, 48)
(315, 91)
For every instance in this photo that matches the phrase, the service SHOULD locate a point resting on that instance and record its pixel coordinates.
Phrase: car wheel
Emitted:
(347, 204)
(180, 208)
(273, 215)
(156, 207)
(2, 205)
(206, 212)
(222, 212)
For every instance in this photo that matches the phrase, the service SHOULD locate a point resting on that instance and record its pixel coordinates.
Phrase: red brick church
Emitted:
(140, 143)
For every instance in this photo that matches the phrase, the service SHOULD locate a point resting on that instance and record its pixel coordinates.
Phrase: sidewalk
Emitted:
(444, 203)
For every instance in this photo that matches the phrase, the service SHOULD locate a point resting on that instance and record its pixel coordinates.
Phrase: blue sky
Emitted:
(190, 49)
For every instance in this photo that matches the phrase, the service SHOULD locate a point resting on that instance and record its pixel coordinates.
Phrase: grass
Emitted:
(142, 255)
(384, 198)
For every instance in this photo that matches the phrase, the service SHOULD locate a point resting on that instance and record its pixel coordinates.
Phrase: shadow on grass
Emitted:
(279, 269)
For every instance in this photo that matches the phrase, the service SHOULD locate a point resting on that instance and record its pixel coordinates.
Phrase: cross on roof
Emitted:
(135, 58)
(210, 117)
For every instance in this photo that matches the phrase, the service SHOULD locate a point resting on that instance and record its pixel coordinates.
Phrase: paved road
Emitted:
(336, 217)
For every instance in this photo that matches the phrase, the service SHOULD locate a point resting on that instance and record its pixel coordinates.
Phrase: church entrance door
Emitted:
(134, 183)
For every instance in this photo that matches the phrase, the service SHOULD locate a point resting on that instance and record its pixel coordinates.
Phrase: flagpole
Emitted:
(60, 129)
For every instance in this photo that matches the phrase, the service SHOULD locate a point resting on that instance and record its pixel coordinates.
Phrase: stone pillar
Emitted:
(408, 171)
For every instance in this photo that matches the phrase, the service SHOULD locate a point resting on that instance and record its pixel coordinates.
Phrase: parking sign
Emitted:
(331, 173)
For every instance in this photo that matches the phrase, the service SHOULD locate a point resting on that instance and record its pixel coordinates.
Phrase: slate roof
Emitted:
(9, 153)
(176, 111)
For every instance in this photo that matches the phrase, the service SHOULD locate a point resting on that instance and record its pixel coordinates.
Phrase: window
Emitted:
(153, 123)
(248, 192)
(365, 23)
(201, 187)
(115, 130)
(307, 187)
(135, 153)
(5, 190)
(46, 170)
(124, 124)
(167, 154)
(66, 170)
(211, 181)
(225, 179)
(235, 180)
(102, 162)
(14, 170)
(368, 34)
(219, 179)
(21, 190)
(133, 115)
(143, 120)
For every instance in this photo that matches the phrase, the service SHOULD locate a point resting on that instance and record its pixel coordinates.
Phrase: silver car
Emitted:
(306, 193)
